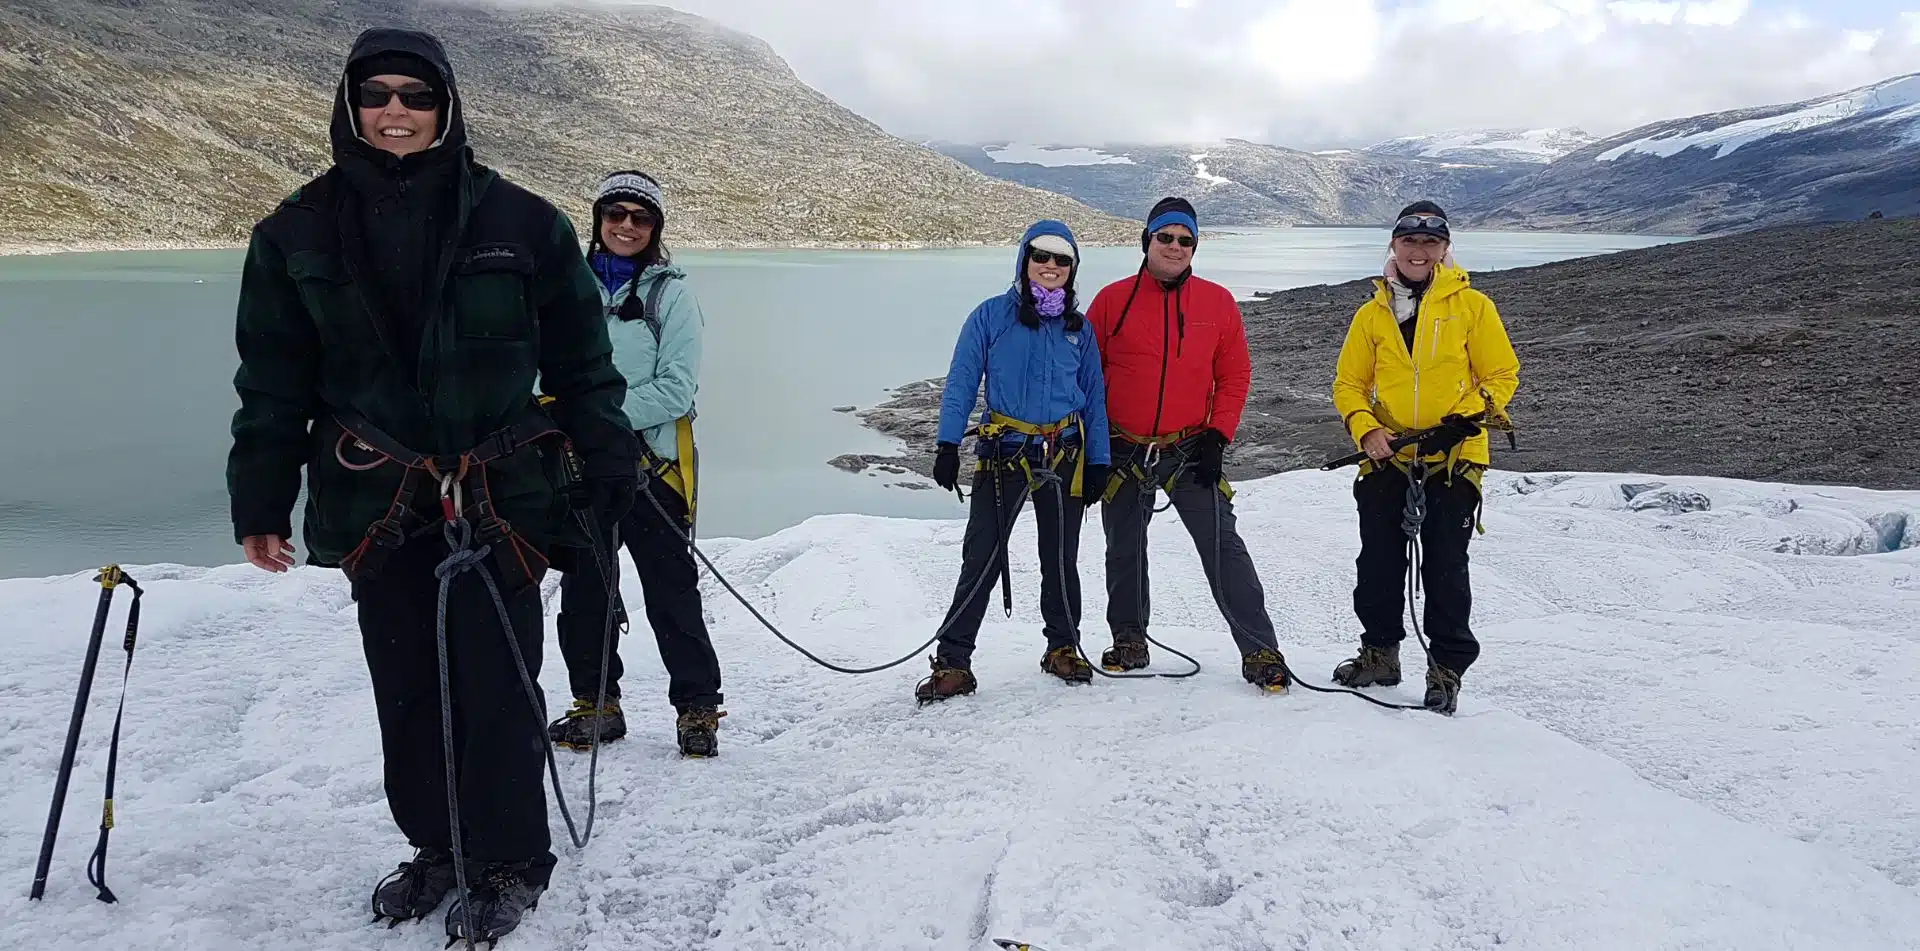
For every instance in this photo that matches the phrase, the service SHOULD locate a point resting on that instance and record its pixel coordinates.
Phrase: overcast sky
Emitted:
(1316, 73)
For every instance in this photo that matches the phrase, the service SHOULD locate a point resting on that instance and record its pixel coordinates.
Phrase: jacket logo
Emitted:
(488, 254)
(1073, 339)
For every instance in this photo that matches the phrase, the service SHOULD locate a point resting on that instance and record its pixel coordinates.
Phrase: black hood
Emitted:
(453, 125)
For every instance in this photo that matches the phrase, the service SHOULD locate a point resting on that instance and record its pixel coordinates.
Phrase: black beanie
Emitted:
(1422, 208)
(398, 64)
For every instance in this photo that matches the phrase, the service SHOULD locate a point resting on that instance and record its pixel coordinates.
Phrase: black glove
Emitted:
(1209, 456)
(1093, 482)
(1452, 431)
(611, 498)
(946, 466)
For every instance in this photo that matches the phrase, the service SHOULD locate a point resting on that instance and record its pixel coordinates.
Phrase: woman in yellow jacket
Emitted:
(1428, 352)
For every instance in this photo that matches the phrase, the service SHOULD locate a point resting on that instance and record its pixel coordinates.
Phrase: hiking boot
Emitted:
(1374, 666)
(414, 889)
(946, 681)
(1125, 655)
(1266, 669)
(698, 729)
(1443, 689)
(500, 895)
(575, 731)
(1067, 664)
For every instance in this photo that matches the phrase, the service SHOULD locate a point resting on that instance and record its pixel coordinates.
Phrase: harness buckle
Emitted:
(502, 443)
(386, 533)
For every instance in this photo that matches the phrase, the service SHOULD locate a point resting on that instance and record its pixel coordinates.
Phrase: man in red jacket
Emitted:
(1175, 354)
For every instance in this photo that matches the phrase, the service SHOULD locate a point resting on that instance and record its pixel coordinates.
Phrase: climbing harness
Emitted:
(110, 579)
(402, 522)
(1050, 435)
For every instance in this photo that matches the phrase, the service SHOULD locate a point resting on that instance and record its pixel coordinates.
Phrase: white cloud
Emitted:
(1645, 11)
(1310, 42)
(1863, 41)
(1311, 74)
(1669, 12)
(1717, 12)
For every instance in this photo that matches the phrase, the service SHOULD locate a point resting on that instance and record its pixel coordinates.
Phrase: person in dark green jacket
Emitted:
(394, 315)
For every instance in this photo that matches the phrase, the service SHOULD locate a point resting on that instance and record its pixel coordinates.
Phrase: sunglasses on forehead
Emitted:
(419, 97)
(1421, 221)
(1038, 256)
(617, 214)
(1168, 237)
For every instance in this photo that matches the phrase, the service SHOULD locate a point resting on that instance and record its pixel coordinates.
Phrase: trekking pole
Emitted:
(109, 578)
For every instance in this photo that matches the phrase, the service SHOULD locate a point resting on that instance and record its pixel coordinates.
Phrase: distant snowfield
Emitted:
(1023, 154)
(1542, 145)
(1898, 99)
(1689, 729)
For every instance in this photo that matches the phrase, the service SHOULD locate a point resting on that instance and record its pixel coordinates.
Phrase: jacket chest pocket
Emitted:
(489, 292)
(326, 289)
(1444, 345)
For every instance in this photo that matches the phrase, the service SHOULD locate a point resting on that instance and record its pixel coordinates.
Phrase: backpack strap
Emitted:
(652, 315)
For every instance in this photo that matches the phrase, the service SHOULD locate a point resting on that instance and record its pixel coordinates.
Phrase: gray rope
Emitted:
(462, 557)
(459, 536)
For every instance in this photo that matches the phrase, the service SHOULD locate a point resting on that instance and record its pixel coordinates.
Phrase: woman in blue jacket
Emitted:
(1043, 434)
(655, 325)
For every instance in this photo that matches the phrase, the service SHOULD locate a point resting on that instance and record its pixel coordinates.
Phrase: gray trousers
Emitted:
(1236, 586)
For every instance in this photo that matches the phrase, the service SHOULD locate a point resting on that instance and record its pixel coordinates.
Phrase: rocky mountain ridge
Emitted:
(180, 123)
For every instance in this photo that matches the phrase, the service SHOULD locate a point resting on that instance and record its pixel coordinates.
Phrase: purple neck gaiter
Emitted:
(1049, 303)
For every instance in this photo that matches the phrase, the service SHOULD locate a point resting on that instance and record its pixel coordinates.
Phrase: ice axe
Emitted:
(1475, 421)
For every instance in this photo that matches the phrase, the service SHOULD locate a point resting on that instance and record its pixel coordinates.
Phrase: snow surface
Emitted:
(1543, 144)
(1893, 101)
(1200, 171)
(1689, 729)
(1022, 154)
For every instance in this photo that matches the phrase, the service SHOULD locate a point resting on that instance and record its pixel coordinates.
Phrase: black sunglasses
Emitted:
(1421, 221)
(1038, 256)
(616, 214)
(419, 97)
(1168, 237)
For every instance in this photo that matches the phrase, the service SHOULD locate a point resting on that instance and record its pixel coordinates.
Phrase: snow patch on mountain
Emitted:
(1019, 153)
(1200, 171)
(1897, 100)
(1524, 145)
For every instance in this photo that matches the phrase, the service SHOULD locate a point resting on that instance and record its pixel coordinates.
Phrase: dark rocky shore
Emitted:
(1791, 355)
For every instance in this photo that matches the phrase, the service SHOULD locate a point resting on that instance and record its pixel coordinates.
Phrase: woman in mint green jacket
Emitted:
(655, 324)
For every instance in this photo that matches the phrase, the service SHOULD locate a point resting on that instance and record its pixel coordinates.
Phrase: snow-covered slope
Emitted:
(1537, 146)
(1689, 729)
(1835, 158)
(1895, 102)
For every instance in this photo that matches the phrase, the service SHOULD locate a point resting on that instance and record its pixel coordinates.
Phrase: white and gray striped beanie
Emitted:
(634, 186)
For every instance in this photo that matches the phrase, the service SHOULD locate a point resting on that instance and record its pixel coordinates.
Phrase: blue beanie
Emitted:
(1173, 211)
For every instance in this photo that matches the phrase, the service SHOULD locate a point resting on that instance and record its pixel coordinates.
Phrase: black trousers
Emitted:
(1235, 582)
(499, 741)
(1379, 597)
(670, 586)
(997, 500)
